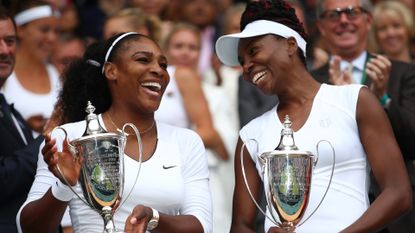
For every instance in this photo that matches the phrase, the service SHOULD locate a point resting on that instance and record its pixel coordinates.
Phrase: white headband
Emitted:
(113, 44)
(227, 45)
(34, 13)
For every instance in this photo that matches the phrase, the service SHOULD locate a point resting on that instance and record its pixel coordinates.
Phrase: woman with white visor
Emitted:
(271, 50)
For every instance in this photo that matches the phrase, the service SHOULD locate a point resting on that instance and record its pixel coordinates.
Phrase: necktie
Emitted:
(6, 113)
(27, 131)
(350, 68)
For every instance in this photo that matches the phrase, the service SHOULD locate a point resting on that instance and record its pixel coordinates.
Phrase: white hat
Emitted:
(227, 45)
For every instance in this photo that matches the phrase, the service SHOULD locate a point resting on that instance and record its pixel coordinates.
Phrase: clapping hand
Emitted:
(378, 70)
(336, 75)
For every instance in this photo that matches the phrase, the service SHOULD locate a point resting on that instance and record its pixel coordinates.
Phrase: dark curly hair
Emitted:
(277, 11)
(84, 80)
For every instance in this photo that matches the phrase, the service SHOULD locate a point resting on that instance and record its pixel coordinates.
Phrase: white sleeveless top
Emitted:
(332, 118)
(29, 103)
(171, 110)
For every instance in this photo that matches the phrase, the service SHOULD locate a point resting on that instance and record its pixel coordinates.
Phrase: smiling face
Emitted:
(345, 36)
(38, 37)
(183, 48)
(264, 60)
(7, 49)
(138, 74)
(391, 34)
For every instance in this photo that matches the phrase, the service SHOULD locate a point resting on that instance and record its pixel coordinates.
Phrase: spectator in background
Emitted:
(202, 14)
(165, 10)
(34, 78)
(18, 150)
(93, 13)
(68, 48)
(393, 30)
(69, 22)
(184, 103)
(345, 26)
(134, 20)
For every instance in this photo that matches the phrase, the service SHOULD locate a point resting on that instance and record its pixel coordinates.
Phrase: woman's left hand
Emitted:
(138, 219)
(378, 70)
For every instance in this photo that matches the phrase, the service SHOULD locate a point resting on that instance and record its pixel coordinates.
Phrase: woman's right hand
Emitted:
(64, 161)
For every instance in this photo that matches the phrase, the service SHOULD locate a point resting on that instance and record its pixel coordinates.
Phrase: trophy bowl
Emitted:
(102, 170)
(287, 182)
(287, 174)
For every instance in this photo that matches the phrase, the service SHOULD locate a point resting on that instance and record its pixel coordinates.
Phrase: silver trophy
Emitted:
(287, 173)
(102, 170)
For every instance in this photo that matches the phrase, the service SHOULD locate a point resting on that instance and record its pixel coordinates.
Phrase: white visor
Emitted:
(227, 45)
(34, 13)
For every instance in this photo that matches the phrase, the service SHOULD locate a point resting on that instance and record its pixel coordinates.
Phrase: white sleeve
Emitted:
(44, 180)
(196, 174)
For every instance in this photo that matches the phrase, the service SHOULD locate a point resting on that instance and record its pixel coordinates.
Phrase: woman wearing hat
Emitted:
(271, 50)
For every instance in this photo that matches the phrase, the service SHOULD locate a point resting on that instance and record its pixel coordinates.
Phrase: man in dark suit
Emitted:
(345, 27)
(18, 149)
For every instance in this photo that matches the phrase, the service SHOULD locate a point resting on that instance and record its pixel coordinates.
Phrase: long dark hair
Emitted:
(85, 81)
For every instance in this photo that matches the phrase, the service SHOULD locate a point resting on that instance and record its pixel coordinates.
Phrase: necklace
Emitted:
(127, 134)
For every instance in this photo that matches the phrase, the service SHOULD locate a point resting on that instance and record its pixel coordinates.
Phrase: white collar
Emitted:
(358, 63)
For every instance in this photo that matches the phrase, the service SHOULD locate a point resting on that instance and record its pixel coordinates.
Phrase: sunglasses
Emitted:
(352, 13)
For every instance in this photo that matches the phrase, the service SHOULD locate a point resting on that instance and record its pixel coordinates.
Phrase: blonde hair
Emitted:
(400, 9)
(138, 19)
(396, 7)
(180, 27)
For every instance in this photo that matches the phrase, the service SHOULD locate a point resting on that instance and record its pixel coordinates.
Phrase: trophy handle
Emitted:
(331, 176)
(74, 154)
(140, 158)
(263, 163)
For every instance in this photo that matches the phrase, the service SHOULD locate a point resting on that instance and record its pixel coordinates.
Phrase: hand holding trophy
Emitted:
(97, 161)
(287, 173)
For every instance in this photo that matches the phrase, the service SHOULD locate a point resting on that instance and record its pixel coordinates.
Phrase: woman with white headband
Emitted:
(271, 50)
(124, 78)
(34, 85)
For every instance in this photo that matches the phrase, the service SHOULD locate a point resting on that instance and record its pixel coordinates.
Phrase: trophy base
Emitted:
(287, 227)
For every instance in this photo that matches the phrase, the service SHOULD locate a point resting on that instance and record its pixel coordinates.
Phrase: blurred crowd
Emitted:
(203, 94)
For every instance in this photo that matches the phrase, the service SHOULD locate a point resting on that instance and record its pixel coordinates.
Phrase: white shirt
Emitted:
(29, 103)
(358, 67)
